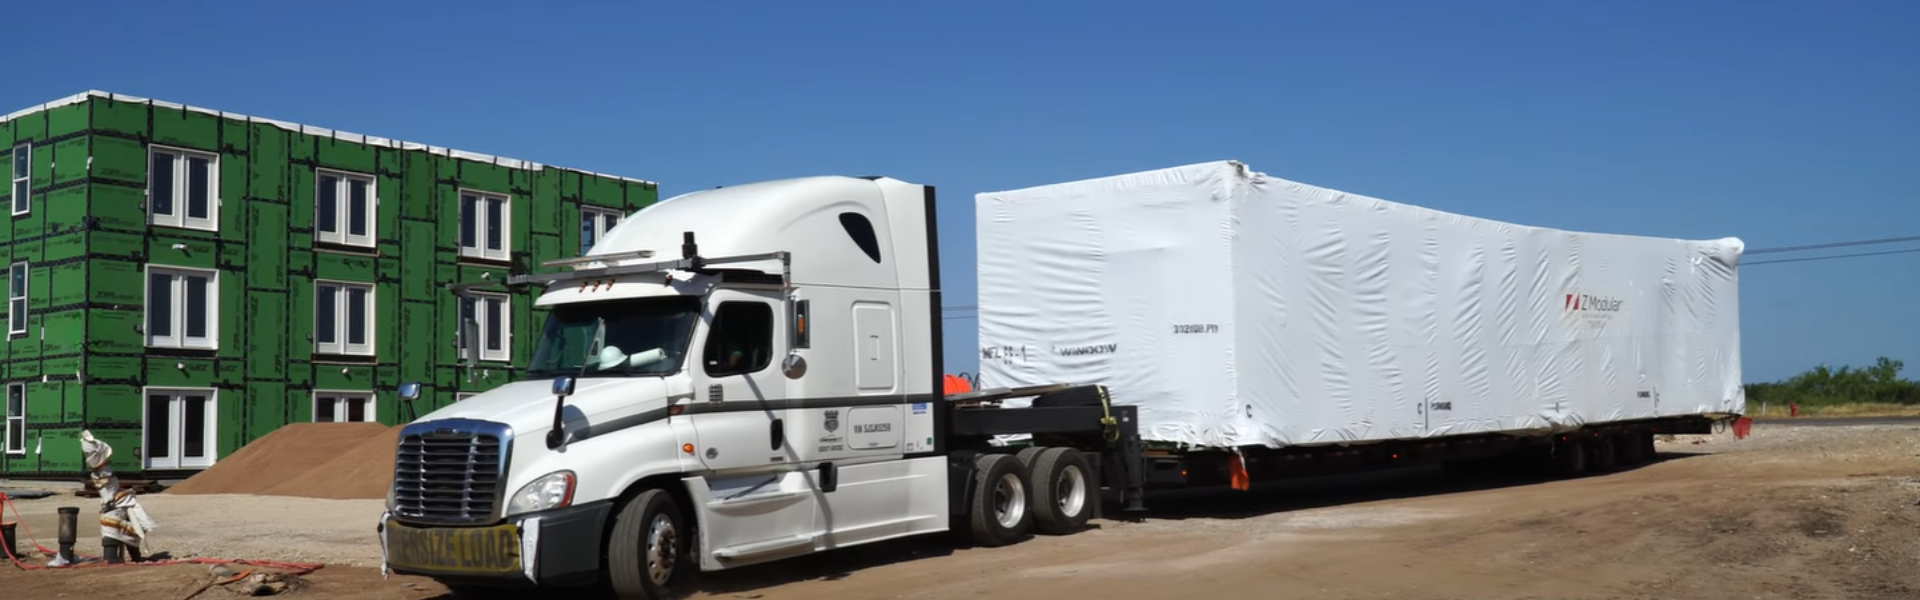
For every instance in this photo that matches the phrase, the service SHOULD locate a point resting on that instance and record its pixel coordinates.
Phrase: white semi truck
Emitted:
(747, 374)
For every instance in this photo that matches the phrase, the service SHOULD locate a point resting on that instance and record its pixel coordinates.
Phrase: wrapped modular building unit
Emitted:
(1237, 309)
(183, 281)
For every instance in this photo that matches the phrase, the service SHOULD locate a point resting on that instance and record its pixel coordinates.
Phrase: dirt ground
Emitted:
(1791, 512)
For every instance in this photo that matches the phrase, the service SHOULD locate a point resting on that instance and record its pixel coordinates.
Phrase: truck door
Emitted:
(740, 393)
(757, 498)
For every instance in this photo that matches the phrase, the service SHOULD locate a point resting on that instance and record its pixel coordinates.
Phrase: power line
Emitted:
(1891, 240)
(1832, 257)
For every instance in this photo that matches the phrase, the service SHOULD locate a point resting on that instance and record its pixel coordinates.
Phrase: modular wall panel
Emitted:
(117, 119)
(267, 172)
(110, 405)
(267, 402)
(266, 261)
(268, 336)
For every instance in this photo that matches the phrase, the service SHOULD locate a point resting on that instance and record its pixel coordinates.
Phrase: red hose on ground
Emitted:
(292, 568)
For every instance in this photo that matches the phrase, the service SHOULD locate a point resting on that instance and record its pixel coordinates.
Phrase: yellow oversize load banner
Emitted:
(454, 549)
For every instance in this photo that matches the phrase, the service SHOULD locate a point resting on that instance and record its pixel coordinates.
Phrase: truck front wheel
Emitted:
(647, 554)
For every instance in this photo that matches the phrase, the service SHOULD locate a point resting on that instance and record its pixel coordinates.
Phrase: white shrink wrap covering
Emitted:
(1238, 309)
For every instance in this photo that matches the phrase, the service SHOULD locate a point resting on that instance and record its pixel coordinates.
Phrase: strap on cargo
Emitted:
(1109, 424)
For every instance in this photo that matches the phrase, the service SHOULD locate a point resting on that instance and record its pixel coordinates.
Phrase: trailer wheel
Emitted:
(997, 510)
(1606, 453)
(1063, 493)
(1630, 451)
(648, 553)
(1570, 458)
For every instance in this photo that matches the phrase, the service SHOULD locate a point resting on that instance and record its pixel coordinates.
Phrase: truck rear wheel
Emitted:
(997, 509)
(1062, 491)
(647, 555)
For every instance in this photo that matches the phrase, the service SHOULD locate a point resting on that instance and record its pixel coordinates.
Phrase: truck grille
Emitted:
(450, 472)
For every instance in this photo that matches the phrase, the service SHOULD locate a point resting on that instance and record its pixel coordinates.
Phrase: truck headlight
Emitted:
(554, 490)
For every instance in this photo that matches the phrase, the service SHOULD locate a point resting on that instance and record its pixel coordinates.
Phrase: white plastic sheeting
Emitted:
(1238, 309)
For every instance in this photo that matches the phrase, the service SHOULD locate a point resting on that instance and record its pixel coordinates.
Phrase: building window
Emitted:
(17, 298)
(484, 225)
(343, 208)
(180, 428)
(182, 308)
(22, 178)
(494, 314)
(183, 188)
(594, 223)
(342, 318)
(342, 407)
(16, 435)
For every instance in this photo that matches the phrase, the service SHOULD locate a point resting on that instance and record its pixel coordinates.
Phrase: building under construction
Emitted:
(182, 281)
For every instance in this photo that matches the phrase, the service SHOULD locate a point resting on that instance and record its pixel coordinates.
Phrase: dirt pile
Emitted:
(363, 472)
(285, 454)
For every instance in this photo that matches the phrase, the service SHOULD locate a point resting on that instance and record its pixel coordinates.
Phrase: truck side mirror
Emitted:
(793, 366)
(798, 334)
(563, 385)
(410, 391)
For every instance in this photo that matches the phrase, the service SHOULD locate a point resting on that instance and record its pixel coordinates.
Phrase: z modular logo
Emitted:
(1580, 303)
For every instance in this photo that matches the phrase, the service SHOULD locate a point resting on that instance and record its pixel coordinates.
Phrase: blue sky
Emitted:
(1782, 123)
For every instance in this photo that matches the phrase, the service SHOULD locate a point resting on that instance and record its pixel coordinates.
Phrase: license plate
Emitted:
(454, 549)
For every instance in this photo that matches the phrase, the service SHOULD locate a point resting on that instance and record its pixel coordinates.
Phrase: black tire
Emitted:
(633, 549)
(999, 508)
(1632, 452)
(1062, 491)
(1027, 454)
(1570, 458)
(1606, 453)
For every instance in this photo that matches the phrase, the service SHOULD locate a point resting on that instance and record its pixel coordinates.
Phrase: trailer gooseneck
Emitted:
(777, 389)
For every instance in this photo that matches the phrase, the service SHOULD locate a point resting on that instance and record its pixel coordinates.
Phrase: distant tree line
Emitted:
(1823, 385)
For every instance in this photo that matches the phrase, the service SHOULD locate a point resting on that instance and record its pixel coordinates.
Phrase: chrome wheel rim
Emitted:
(1071, 491)
(661, 549)
(1009, 500)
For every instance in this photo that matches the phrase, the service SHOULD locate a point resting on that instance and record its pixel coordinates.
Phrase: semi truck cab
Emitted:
(730, 377)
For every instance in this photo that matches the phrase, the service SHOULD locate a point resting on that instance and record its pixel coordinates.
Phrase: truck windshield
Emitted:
(641, 337)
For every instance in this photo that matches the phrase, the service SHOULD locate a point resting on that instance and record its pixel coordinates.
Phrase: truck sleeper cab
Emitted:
(777, 397)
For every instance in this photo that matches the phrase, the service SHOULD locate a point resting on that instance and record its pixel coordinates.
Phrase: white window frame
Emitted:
(481, 300)
(343, 208)
(477, 247)
(340, 345)
(179, 217)
(603, 220)
(176, 428)
(22, 182)
(339, 399)
(15, 446)
(177, 294)
(18, 305)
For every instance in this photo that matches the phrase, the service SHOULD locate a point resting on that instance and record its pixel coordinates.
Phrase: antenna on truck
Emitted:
(690, 250)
